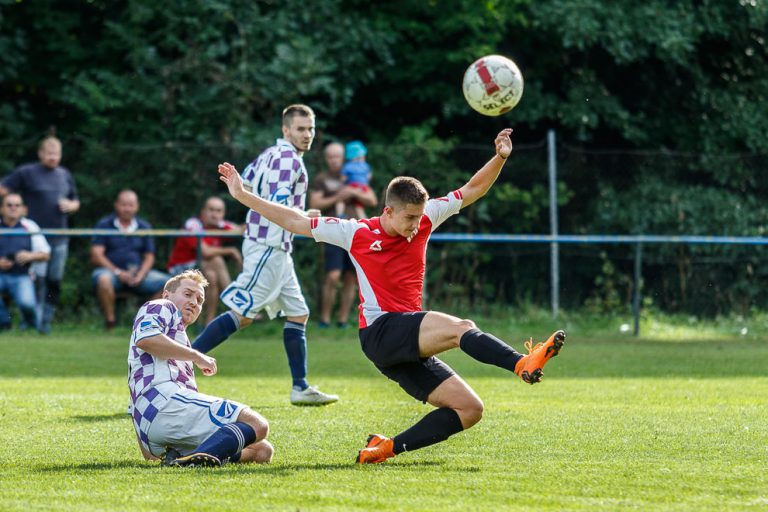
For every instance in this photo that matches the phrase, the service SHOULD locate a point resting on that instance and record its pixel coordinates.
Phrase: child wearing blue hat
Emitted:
(356, 173)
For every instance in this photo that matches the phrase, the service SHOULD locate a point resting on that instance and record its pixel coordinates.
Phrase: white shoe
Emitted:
(312, 396)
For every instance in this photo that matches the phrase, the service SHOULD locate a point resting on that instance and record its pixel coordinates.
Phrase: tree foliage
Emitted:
(152, 95)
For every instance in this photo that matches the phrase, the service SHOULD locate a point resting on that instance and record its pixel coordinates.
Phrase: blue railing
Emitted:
(636, 240)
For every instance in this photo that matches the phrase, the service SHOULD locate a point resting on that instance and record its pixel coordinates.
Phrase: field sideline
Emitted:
(617, 424)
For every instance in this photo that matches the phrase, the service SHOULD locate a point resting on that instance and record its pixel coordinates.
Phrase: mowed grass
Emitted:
(617, 424)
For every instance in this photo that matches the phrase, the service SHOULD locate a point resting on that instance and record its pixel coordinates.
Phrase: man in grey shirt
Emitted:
(49, 191)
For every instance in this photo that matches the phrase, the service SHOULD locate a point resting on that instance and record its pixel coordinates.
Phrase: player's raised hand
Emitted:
(229, 175)
(207, 364)
(503, 143)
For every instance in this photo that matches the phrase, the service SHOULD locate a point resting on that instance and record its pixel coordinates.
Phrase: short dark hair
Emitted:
(292, 111)
(404, 190)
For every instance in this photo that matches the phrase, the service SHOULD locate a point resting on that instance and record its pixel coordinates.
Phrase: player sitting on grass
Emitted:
(402, 341)
(168, 413)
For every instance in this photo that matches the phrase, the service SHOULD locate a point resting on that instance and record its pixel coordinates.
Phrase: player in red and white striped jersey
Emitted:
(389, 255)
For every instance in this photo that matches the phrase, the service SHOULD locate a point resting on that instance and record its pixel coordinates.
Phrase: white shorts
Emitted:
(188, 419)
(268, 281)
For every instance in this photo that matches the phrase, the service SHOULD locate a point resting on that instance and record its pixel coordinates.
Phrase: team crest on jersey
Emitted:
(376, 245)
(331, 220)
(239, 299)
(226, 409)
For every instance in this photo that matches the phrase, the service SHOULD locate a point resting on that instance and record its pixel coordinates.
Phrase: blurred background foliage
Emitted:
(659, 110)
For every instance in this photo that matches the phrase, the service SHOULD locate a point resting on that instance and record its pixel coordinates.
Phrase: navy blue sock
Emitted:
(228, 440)
(295, 341)
(489, 349)
(436, 426)
(216, 332)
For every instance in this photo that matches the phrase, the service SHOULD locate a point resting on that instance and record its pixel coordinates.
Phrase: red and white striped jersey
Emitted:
(390, 270)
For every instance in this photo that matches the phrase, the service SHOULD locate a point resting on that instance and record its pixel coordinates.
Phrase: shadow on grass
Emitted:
(272, 469)
(96, 466)
(96, 418)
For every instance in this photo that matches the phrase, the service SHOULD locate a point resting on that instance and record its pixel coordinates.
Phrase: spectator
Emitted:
(124, 262)
(213, 252)
(49, 191)
(17, 252)
(355, 173)
(327, 192)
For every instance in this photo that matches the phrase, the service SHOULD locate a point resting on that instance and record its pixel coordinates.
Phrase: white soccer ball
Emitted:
(493, 85)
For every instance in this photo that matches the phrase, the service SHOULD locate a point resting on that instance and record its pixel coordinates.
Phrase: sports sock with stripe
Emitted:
(295, 342)
(436, 426)
(216, 332)
(489, 349)
(228, 441)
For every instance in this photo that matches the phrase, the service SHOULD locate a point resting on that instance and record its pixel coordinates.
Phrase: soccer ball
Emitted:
(493, 85)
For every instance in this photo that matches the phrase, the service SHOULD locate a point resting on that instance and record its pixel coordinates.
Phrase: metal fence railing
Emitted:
(638, 241)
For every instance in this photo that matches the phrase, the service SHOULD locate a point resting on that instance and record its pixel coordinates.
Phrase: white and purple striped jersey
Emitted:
(153, 380)
(277, 175)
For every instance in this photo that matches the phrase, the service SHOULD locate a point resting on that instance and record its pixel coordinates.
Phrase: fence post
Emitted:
(554, 248)
(638, 285)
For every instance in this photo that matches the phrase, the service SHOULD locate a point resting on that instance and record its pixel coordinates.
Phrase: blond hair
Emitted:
(192, 274)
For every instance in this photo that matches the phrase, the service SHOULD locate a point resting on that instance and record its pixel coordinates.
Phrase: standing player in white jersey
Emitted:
(168, 412)
(389, 255)
(268, 280)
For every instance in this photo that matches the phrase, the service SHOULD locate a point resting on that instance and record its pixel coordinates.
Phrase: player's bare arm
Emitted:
(483, 179)
(289, 219)
(163, 347)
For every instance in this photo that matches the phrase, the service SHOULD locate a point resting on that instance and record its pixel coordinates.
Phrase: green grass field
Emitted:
(618, 423)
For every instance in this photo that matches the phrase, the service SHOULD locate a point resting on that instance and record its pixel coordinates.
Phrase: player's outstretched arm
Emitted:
(287, 218)
(165, 348)
(483, 179)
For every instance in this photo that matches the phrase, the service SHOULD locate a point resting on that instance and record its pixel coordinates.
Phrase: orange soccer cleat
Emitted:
(377, 449)
(529, 366)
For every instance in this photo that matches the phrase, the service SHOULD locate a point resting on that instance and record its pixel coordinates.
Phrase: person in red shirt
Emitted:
(213, 250)
(400, 339)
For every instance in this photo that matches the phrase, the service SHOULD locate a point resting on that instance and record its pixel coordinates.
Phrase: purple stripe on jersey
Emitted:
(171, 333)
(263, 231)
(286, 154)
(272, 188)
(137, 322)
(154, 309)
(254, 217)
(296, 165)
(144, 437)
(145, 359)
(150, 412)
(136, 415)
(285, 174)
(151, 394)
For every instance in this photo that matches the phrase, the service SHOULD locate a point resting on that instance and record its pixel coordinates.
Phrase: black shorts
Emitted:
(337, 258)
(392, 344)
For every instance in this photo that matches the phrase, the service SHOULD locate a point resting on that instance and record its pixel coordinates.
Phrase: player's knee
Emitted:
(257, 422)
(472, 413)
(463, 326)
(263, 452)
(298, 319)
